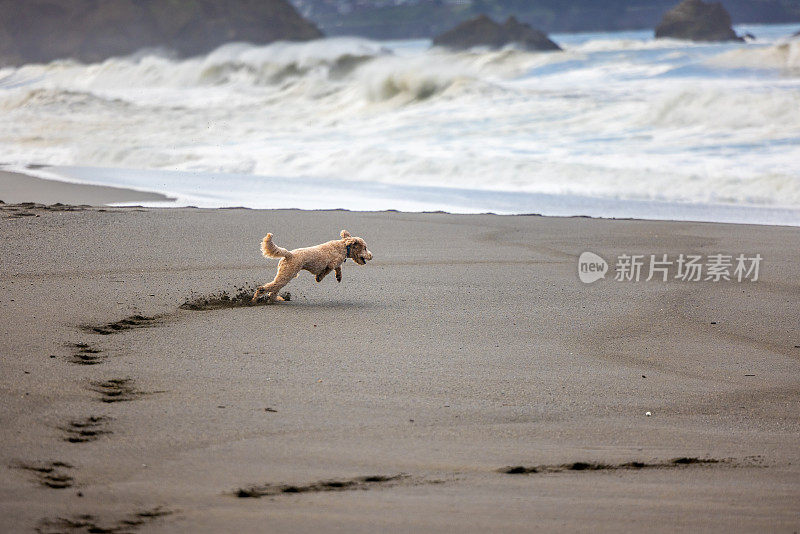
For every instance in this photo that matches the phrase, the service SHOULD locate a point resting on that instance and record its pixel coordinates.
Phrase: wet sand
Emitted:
(15, 187)
(465, 380)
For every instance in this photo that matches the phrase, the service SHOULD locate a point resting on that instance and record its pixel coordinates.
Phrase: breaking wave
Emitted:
(616, 116)
(783, 56)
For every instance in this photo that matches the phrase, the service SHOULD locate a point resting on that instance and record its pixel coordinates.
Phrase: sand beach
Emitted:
(464, 380)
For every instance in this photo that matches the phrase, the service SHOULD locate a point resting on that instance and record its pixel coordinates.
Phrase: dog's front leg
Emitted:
(284, 276)
(339, 273)
(324, 273)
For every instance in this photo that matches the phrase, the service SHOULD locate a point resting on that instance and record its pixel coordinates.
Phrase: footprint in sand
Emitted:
(129, 323)
(90, 523)
(117, 390)
(86, 429)
(359, 483)
(85, 354)
(50, 474)
(595, 466)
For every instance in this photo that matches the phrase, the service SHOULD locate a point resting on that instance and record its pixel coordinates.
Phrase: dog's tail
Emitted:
(271, 250)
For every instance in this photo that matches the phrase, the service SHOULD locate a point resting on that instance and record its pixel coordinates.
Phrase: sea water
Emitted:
(617, 125)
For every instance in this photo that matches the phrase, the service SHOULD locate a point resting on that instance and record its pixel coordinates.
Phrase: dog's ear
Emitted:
(345, 234)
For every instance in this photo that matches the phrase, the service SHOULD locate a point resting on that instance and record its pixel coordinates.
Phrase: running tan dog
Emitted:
(318, 260)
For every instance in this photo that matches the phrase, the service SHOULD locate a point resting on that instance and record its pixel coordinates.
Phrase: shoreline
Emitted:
(321, 195)
(16, 187)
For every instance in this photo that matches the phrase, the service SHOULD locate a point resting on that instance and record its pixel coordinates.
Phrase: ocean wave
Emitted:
(234, 63)
(361, 71)
(57, 99)
(708, 109)
(611, 45)
(332, 59)
(572, 122)
(783, 56)
(412, 79)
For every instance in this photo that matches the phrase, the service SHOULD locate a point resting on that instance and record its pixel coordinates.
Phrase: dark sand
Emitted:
(468, 345)
(15, 187)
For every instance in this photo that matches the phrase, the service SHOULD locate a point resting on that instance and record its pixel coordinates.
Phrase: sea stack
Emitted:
(93, 30)
(483, 31)
(696, 20)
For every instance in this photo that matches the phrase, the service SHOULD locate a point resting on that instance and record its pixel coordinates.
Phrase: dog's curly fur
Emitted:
(318, 260)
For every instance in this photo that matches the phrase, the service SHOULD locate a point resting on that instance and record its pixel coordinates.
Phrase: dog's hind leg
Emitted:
(270, 289)
(283, 277)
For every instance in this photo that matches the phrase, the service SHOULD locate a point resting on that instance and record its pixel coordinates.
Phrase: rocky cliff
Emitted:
(91, 30)
(697, 21)
(483, 31)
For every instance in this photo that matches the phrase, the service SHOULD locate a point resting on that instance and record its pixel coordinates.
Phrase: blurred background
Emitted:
(404, 19)
(637, 108)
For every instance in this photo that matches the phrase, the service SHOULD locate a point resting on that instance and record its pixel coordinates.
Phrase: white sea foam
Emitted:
(613, 116)
(783, 56)
(645, 43)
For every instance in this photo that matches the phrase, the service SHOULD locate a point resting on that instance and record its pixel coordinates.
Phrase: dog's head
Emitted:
(357, 248)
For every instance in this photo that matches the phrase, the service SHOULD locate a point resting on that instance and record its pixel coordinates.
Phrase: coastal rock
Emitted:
(92, 30)
(483, 31)
(697, 21)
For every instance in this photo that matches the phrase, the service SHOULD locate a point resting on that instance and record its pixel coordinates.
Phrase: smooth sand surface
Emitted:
(467, 345)
(15, 187)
